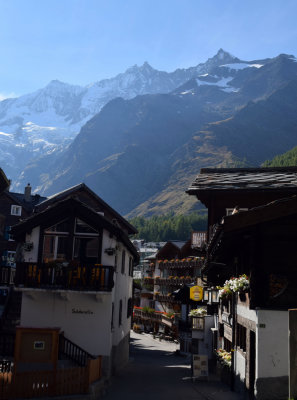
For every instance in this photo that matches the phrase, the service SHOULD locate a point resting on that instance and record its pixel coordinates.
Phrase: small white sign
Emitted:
(39, 345)
(198, 238)
(200, 366)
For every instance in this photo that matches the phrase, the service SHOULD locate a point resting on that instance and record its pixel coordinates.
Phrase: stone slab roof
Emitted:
(245, 179)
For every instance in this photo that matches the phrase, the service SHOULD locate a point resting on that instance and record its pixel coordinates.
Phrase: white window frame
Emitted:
(16, 210)
(9, 235)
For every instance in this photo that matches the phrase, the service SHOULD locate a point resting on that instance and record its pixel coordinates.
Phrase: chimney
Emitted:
(28, 193)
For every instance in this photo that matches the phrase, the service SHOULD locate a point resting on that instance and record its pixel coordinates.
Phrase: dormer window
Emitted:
(16, 210)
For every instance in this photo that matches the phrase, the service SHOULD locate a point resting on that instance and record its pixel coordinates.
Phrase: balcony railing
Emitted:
(147, 315)
(184, 263)
(164, 298)
(153, 316)
(148, 280)
(174, 281)
(86, 277)
(73, 352)
(7, 275)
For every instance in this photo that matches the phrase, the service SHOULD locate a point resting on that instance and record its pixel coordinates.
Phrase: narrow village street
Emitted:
(155, 371)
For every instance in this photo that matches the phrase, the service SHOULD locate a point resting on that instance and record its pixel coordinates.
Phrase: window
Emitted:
(116, 261)
(198, 323)
(16, 210)
(54, 247)
(129, 307)
(112, 313)
(86, 248)
(60, 227)
(82, 228)
(241, 337)
(7, 234)
(123, 261)
(120, 312)
(84, 245)
(11, 258)
(130, 266)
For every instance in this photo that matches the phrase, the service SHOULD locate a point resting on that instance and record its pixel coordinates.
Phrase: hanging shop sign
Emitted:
(196, 293)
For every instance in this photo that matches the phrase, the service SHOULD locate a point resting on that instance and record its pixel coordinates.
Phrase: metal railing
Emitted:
(73, 352)
(85, 277)
(6, 366)
(7, 275)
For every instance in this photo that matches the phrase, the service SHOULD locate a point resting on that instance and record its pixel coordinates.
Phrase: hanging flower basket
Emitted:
(234, 285)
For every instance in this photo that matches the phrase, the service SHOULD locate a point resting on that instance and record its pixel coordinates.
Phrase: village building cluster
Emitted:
(227, 295)
(244, 322)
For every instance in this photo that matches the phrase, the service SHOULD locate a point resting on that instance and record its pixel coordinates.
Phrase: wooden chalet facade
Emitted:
(74, 269)
(256, 240)
(174, 268)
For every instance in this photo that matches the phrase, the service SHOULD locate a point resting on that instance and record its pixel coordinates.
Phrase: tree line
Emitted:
(169, 227)
(283, 160)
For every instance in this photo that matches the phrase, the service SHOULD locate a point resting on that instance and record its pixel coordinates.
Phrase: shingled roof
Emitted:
(279, 178)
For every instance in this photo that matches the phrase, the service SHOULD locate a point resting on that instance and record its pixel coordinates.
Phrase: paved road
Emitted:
(155, 372)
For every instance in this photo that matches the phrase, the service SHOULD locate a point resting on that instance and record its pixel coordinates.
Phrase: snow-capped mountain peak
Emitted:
(46, 120)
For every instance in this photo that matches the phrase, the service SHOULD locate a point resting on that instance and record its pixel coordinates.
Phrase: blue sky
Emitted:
(82, 41)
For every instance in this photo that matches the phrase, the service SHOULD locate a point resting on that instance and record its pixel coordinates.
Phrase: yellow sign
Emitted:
(196, 293)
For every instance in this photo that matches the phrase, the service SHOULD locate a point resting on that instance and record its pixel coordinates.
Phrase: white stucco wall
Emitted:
(272, 343)
(246, 313)
(91, 329)
(240, 365)
(84, 318)
(122, 291)
(205, 345)
(33, 237)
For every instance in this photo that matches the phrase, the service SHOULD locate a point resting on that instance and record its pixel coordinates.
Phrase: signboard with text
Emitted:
(196, 293)
(200, 366)
(198, 238)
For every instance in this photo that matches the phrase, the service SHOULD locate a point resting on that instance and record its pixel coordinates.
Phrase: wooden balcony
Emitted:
(153, 317)
(86, 277)
(164, 298)
(148, 280)
(181, 264)
(173, 281)
(147, 315)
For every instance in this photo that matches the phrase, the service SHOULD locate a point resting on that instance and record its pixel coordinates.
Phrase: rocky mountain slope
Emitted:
(140, 153)
(46, 121)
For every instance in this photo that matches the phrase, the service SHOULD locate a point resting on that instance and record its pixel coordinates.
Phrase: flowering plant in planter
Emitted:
(240, 284)
(224, 356)
(234, 285)
(198, 312)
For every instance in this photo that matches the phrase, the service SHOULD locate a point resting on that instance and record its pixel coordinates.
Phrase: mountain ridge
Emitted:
(140, 153)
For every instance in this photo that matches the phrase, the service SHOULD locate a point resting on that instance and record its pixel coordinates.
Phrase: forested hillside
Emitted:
(169, 227)
(288, 159)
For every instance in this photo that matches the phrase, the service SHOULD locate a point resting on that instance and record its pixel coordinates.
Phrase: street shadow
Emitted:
(150, 353)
